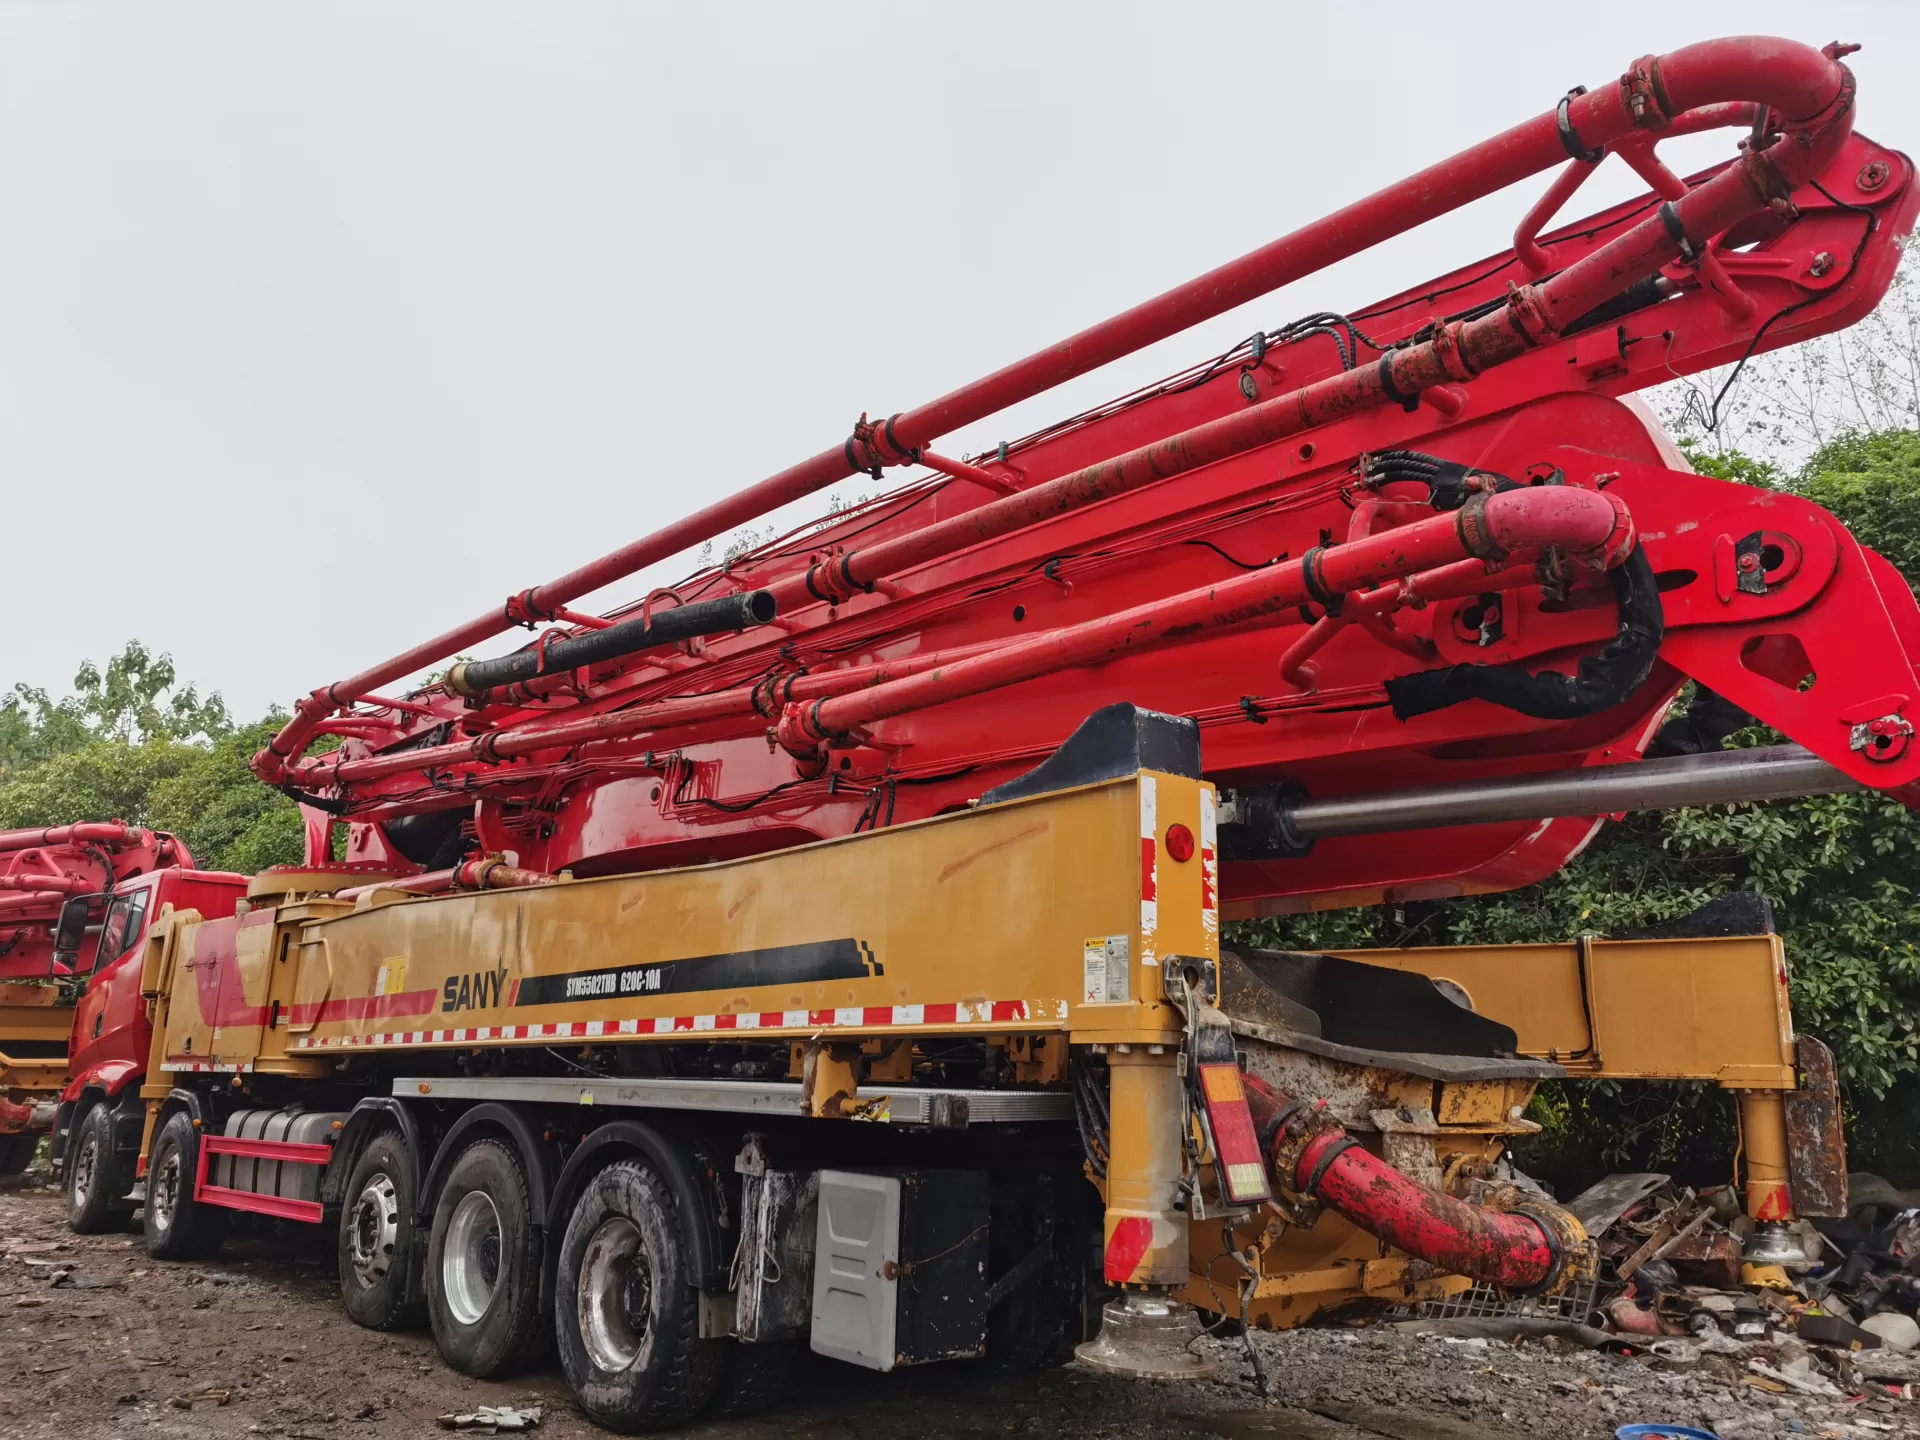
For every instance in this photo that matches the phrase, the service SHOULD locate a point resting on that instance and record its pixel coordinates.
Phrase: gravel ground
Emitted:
(129, 1347)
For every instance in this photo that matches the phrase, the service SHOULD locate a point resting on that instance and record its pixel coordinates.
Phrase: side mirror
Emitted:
(70, 932)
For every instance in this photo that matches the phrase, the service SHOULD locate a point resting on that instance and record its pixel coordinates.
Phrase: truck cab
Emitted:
(98, 947)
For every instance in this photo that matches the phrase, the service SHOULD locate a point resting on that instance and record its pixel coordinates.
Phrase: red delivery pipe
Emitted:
(761, 701)
(767, 697)
(1491, 527)
(1517, 1250)
(33, 900)
(15, 1118)
(1810, 89)
(1459, 352)
(67, 884)
(100, 832)
(1505, 1249)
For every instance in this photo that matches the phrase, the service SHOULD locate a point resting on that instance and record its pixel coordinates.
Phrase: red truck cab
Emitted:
(100, 940)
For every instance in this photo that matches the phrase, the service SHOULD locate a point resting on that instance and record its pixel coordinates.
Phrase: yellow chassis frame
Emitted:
(1039, 924)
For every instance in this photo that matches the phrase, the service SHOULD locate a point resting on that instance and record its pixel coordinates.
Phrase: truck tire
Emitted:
(376, 1236)
(626, 1312)
(94, 1187)
(16, 1153)
(483, 1265)
(179, 1227)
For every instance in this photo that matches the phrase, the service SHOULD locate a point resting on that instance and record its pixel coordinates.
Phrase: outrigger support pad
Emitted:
(1144, 1335)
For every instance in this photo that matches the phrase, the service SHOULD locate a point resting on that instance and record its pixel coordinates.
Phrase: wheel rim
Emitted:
(470, 1258)
(163, 1190)
(84, 1165)
(373, 1228)
(616, 1294)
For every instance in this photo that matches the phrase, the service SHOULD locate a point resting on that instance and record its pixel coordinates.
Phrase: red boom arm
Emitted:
(938, 639)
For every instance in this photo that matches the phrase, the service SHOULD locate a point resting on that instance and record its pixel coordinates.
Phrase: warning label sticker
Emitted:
(1105, 958)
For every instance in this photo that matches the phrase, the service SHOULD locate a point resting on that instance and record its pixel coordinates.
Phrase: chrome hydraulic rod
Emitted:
(1780, 772)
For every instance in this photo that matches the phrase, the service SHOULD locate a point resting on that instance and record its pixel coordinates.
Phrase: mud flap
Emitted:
(1816, 1139)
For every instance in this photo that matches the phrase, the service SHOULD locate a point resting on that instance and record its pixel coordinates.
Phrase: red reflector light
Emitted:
(1179, 842)
(1236, 1144)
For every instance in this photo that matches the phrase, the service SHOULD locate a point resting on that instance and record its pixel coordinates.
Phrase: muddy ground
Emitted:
(124, 1346)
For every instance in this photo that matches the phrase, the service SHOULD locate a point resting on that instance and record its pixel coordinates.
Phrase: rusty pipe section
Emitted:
(486, 872)
(1589, 525)
(1809, 92)
(1530, 1245)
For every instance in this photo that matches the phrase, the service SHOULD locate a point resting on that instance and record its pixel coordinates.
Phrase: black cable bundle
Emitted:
(1603, 680)
(1446, 480)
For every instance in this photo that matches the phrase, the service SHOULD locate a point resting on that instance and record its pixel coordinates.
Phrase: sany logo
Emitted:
(482, 990)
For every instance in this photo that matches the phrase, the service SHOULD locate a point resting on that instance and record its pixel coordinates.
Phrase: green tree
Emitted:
(229, 820)
(134, 699)
(132, 744)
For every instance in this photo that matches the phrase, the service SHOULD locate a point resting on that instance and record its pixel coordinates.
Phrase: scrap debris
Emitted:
(1818, 1312)
(493, 1419)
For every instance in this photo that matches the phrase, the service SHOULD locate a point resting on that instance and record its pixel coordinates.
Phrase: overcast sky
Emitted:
(325, 327)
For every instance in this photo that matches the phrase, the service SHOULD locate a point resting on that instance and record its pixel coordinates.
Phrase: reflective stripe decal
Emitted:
(1149, 870)
(870, 1017)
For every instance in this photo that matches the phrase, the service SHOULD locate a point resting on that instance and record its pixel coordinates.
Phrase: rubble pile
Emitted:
(1805, 1327)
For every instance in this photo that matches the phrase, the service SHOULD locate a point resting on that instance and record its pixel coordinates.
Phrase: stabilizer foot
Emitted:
(1147, 1337)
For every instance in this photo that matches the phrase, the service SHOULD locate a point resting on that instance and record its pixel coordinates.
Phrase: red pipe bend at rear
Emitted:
(1515, 1251)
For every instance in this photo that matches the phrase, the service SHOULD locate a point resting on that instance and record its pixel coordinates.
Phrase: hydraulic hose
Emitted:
(1602, 681)
(595, 647)
(1533, 1246)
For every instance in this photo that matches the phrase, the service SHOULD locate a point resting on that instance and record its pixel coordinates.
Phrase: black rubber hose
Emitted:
(1603, 680)
(1446, 480)
(594, 647)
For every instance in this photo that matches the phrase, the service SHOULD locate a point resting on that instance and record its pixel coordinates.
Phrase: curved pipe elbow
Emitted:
(1786, 75)
(1539, 1247)
(1513, 1250)
(1540, 517)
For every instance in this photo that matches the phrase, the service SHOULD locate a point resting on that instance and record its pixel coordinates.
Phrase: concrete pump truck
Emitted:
(827, 949)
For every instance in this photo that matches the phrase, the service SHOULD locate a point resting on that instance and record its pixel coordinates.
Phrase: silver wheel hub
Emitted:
(84, 1166)
(163, 1190)
(615, 1294)
(373, 1228)
(470, 1257)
